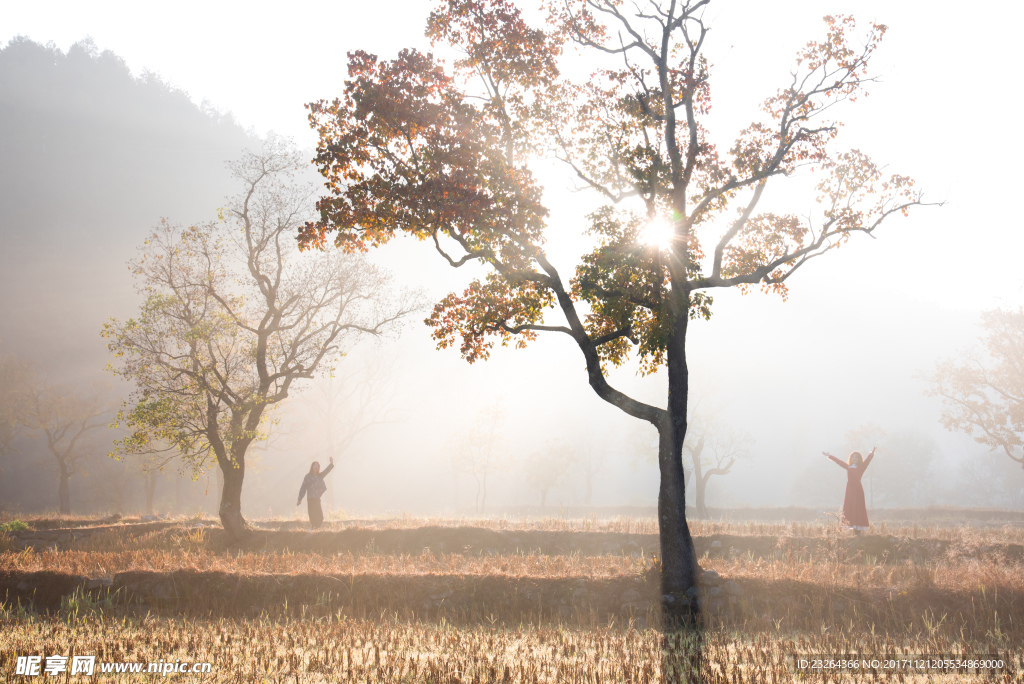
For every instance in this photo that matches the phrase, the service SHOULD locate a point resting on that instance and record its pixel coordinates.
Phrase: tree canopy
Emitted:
(983, 393)
(233, 317)
(444, 154)
(409, 149)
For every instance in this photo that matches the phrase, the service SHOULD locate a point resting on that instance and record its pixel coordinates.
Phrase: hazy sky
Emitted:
(859, 323)
(944, 111)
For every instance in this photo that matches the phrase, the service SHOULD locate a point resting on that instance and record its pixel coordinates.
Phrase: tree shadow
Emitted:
(682, 647)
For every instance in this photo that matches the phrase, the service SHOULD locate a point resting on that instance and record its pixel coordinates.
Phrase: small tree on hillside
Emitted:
(233, 316)
(444, 155)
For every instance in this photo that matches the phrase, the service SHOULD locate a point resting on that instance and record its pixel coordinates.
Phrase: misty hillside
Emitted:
(92, 157)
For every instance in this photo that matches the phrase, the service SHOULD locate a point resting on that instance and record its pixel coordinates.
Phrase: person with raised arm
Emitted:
(313, 485)
(855, 512)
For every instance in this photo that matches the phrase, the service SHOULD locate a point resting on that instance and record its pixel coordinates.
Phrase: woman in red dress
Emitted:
(855, 513)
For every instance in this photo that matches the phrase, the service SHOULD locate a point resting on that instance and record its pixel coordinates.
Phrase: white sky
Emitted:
(945, 112)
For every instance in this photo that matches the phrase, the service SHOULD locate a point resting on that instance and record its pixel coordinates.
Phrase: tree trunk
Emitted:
(63, 492)
(231, 498)
(701, 486)
(679, 561)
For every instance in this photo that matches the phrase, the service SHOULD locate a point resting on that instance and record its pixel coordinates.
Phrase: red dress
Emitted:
(855, 513)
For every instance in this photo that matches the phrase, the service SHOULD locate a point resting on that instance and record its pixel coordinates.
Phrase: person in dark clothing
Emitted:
(313, 486)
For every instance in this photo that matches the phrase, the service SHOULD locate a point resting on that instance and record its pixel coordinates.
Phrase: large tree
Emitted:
(444, 154)
(983, 392)
(233, 317)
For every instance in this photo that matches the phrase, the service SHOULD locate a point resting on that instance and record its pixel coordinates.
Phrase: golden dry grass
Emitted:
(966, 599)
(953, 575)
(1005, 533)
(385, 650)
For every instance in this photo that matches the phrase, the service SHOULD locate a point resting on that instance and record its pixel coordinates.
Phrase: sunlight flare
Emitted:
(657, 233)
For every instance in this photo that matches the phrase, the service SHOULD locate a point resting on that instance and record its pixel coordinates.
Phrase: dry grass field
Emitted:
(418, 600)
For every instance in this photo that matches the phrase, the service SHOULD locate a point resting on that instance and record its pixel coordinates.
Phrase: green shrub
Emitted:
(13, 526)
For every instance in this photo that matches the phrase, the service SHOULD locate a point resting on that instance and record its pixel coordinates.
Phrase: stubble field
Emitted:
(418, 600)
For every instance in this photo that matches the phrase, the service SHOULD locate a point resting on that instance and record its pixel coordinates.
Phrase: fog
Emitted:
(98, 147)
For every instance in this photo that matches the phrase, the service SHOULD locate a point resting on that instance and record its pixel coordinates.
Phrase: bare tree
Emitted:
(548, 467)
(233, 316)
(478, 452)
(65, 417)
(713, 447)
(589, 463)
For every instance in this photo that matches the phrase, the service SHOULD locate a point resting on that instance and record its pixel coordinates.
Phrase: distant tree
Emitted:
(548, 467)
(233, 317)
(987, 482)
(152, 476)
(411, 148)
(149, 468)
(118, 485)
(589, 462)
(713, 447)
(983, 393)
(147, 464)
(64, 417)
(139, 147)
(15, 382)
(476, 450)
